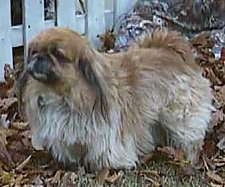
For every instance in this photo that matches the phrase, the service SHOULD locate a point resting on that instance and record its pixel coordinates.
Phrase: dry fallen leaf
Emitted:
(108, 40)
(215, 177)
(23, 164)
(3, 121)
(105, 176)
(6, 103)
(146, 158)
(147, 172)
(216, 185)
(68, 179)
(6, 178)
(172, 153)
(152, 181)
(5, 157)
(102, 175)
(221, 144)
(114, 177)
(56, 178)
(219, 162)
(188, 171)
(20, 125)
(4, 88)
(7, 86)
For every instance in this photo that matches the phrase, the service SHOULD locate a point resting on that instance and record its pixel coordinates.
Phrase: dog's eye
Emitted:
(40, 102)
(33, 53)
(60, 55)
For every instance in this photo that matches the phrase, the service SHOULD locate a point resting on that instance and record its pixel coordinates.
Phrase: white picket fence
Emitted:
(100, 15)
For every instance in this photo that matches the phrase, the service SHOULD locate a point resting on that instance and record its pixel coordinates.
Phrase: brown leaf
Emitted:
(6, 178)
(3, 121)
(9, 106)
(170, 152)
(215, 177)
(6, 103)
(201, 39)
(209, 147)
(4, 154)
(114, 177)
(102, 175)
(4, 89)
(153, 182)
(7, 86)
(146, 158)
(188, 171)
(57, 177)
(221, 144)
(210, 74)
(23, 164)
(38, 181)
(108, 41)
(148, 172)
(8, 74)
(219, 162)
(68, 179)
(222, 58)
(217, 117)
(220, 95)
(216, 185)
(19, 179)
(20, 125)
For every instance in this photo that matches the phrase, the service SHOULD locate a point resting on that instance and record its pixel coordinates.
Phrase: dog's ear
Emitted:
(85, 65)
(86, 69)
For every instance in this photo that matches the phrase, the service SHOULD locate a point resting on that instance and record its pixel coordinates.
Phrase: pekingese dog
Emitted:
(107, 111)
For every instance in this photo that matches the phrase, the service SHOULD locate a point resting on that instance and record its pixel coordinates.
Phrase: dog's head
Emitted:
(62, 61)
(58, 56)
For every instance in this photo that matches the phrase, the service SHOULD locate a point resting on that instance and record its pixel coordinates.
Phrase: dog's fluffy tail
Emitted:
(169, 40)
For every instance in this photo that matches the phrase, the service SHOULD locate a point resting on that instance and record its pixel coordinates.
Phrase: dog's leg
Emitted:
(186, 125)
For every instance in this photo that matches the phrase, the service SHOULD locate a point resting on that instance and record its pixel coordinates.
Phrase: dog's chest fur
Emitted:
(74, 137)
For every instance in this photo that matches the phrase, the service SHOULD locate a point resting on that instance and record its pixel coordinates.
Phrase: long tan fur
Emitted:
(109, 110)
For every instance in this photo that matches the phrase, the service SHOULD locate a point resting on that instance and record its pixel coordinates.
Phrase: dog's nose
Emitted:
(41, 69)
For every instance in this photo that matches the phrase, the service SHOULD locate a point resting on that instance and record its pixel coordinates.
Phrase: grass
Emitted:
(157, 173)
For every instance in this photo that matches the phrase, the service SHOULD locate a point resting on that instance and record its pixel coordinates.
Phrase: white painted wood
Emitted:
(95, 20)
(66, 13)
(49, 23)
(5, 33)
(16, 35)
(80, 16)
(109, 14)
(109, 4)
(80, 23)
(33, 19)
(123, 6)
(109, 19)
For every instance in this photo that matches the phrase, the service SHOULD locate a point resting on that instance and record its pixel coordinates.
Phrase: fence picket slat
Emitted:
(5, 33)
(109, 14)
(33, 19)
(80, 21)
(17, 35)
(66, 13)
(122, 7)
(95, 20)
